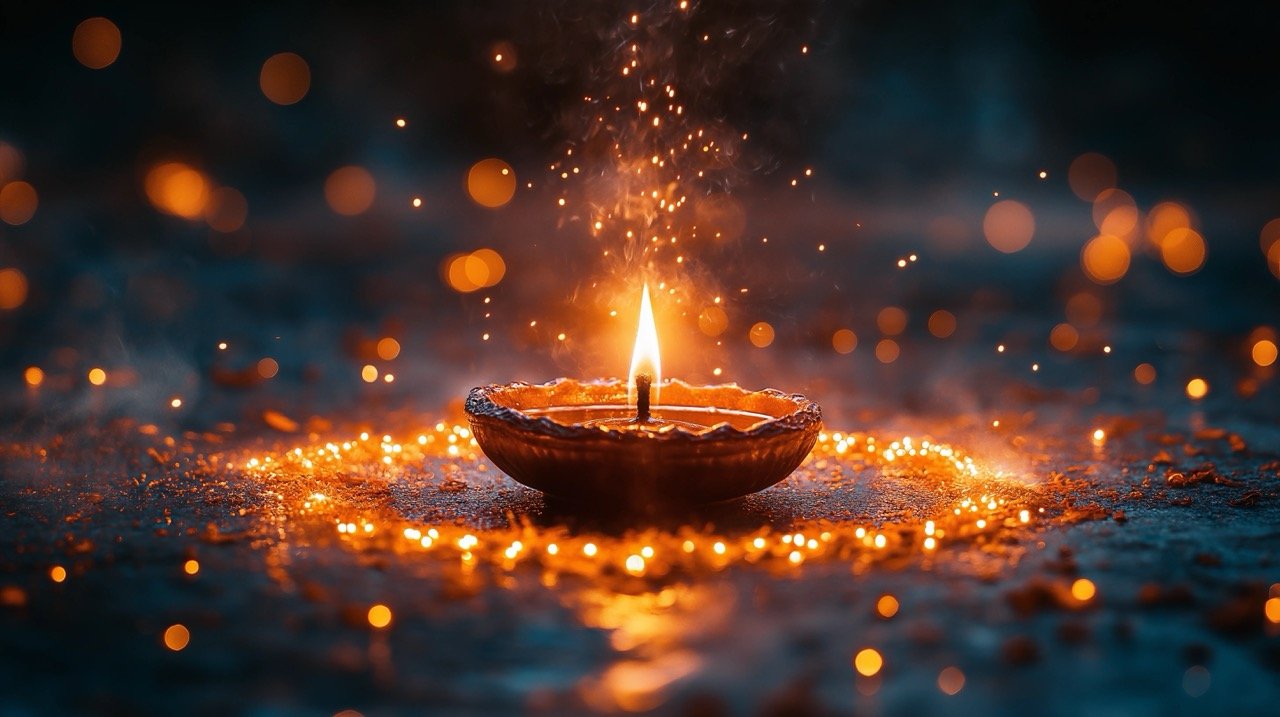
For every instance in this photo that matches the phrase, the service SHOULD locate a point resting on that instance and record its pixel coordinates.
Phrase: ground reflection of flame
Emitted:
(654, 631)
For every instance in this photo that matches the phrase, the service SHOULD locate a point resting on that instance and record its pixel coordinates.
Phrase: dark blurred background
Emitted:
(916, 117)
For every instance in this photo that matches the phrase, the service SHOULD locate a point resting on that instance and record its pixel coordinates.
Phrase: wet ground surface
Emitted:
(498, 604)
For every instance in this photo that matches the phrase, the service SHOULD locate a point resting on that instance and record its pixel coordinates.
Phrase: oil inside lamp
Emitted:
(615, 442)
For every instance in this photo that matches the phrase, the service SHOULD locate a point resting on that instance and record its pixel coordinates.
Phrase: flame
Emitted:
(645, 358)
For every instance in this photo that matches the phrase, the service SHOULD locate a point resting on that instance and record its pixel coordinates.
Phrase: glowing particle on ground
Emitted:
(417, 202)
(1197, 388)
(1099, 435)
(97, 376)
(1083, 589)
(191, 567)
(402, 122)
(868, 662)
(175, 402)
(1043, 174)
(379, 616)
(57, 573)
(717, 371)
(177, 637)
(635, 565)
(951, 680)
(590, 550)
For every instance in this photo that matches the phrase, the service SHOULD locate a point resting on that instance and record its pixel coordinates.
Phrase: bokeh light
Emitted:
(268, 368)
(177, 188)
(34, 375)
(1105, 259)
(1197, 388)
(1263, 352)
(1267, 238)
(226, 210)
(844, 341)
(1083, 589)
(12, 162)
(13, 288)
(177, 637)
(97, 376)
(887, 351)
(468, 272)
(18, 202)
(1183, 250)
(96, 43)
(761, 334)
(1084, 309)
(379, 616)
(350, 190)
(942, 323)
(891, 320)
(713, 321)
(1164, 218)
(491, 183)
(1009, 226)
(868, 662)
(1144, 373)
(1064, 337)
(1115, 213)
(1090, 174)
(887, 606)
(951, 680)
(285, 78)
(388, 348)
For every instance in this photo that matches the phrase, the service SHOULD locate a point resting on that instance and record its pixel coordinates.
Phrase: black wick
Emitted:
(644, 382)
